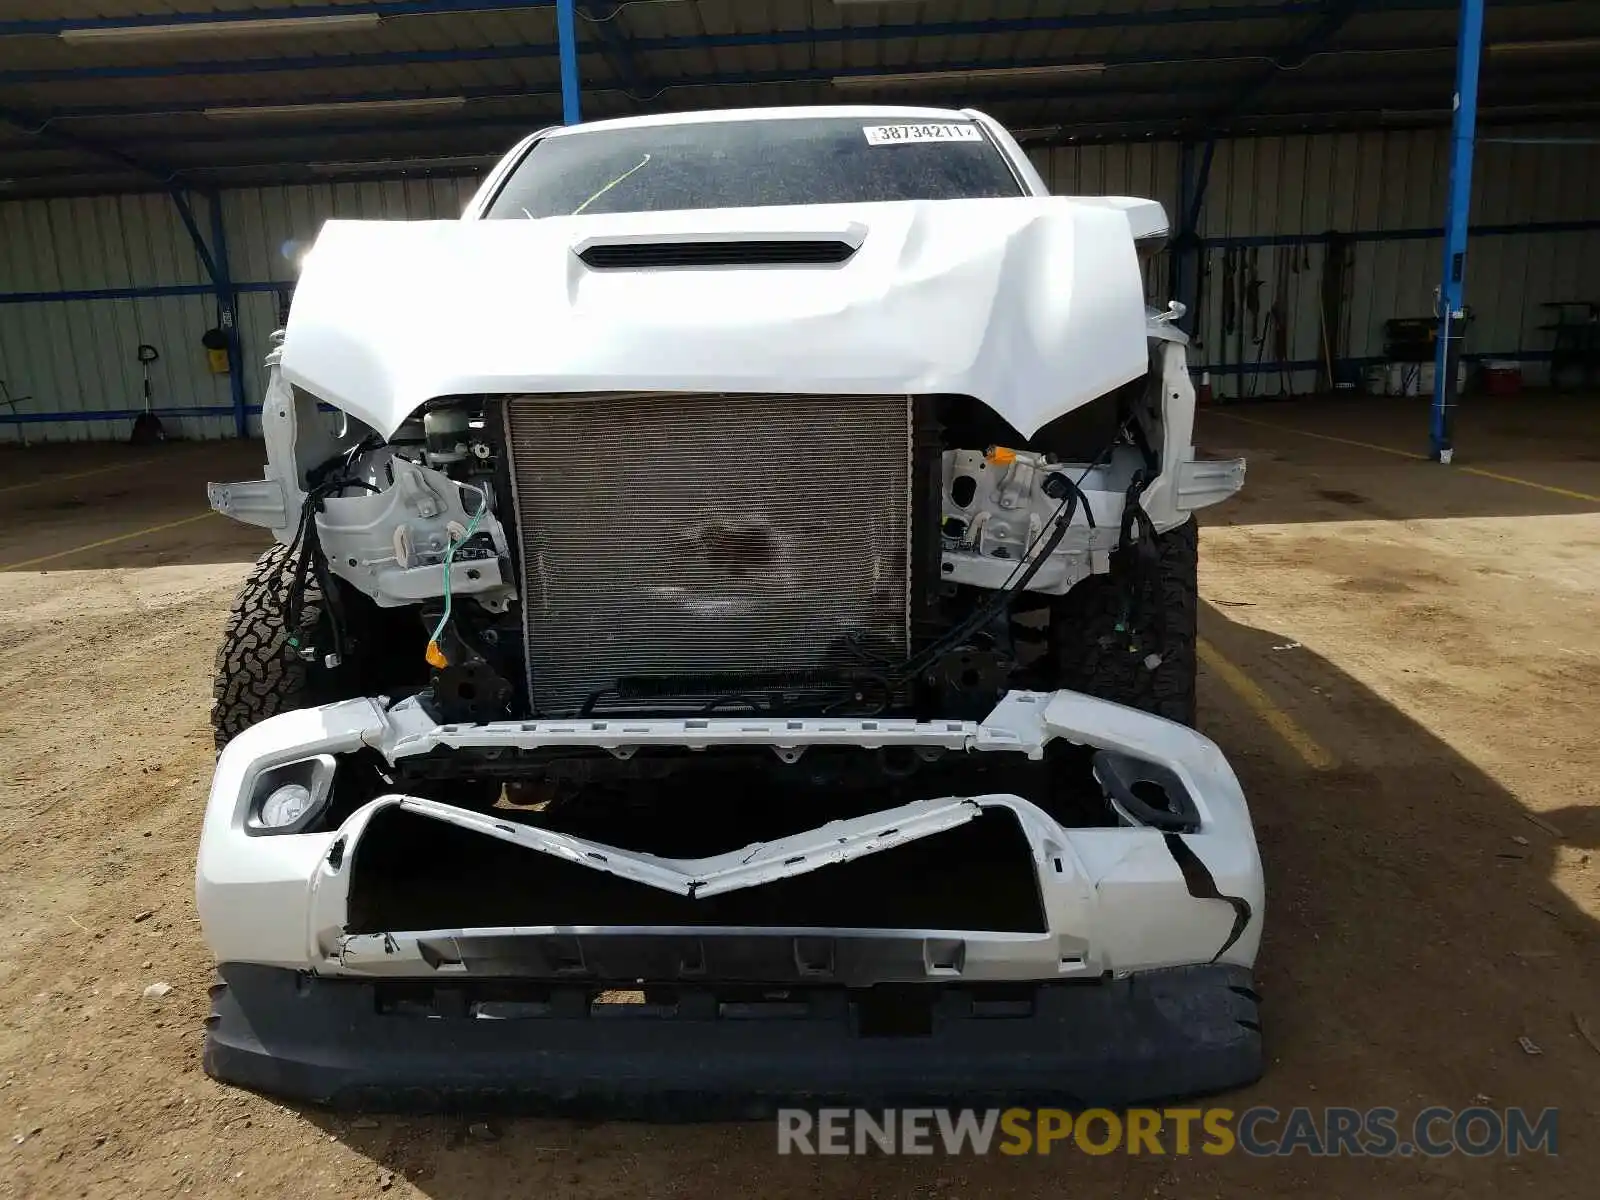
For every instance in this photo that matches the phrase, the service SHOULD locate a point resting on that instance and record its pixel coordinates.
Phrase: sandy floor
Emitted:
(1434, 632)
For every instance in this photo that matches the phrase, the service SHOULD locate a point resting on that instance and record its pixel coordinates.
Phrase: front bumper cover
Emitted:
(1153, 1036)
(1137, 988)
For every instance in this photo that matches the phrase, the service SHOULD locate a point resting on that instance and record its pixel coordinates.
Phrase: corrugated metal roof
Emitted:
(82, 111)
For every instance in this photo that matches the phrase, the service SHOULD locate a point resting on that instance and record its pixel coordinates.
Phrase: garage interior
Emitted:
(1400, 656)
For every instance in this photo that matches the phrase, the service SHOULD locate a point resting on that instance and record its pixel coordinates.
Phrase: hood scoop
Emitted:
(722, 252)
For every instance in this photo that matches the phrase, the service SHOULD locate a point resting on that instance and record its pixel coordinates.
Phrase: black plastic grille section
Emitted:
(762, 253)
(707, 535)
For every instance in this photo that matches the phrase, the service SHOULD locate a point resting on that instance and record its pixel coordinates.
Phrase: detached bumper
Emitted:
(1134, 987)
(338, 1042)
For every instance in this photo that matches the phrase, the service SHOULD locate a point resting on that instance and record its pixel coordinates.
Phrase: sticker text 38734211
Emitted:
(893, 135)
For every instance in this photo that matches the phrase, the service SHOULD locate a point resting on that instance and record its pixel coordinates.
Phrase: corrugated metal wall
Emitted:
(1362, 184)
(266, 224)
(78, 356)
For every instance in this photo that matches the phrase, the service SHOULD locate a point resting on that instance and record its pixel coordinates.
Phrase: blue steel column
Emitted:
(229, 317)
(1464, 125)
(567, 36)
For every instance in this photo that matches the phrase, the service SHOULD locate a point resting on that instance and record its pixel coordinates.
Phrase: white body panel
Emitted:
(1115, 898)
(1033, 305)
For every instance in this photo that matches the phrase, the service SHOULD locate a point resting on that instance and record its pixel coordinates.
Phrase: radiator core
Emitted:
(689, 536)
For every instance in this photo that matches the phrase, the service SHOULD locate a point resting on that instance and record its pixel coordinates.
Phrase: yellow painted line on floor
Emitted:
(1281, 723)
(1325, 437)
(1543, 487)
(48, 479)
(1569, 493)
(110, 541)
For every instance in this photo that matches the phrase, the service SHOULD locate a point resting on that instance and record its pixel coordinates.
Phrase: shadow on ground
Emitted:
(1418, 925)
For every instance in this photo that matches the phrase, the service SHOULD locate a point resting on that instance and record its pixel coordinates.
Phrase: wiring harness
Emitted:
(435, 654)
(306, 560)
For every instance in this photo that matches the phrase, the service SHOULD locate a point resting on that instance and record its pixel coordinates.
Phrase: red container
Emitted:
(1502, 378)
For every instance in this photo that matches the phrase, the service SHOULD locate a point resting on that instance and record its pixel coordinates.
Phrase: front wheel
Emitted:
(1129, 636)
(258, 674)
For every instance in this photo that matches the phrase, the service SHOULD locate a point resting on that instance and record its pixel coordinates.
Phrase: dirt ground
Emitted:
(1428, 637)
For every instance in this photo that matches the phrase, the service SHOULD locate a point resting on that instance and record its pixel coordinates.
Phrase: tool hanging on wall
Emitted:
(1250, 386)
(1337, 270)
(1252, 291)
(1230, 304)
(1230, 312)
(147, 428)
(1196, 318)
(1242, 312)
(1288, 265)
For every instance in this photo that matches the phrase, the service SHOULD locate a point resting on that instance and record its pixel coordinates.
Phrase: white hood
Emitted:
(1034, 306)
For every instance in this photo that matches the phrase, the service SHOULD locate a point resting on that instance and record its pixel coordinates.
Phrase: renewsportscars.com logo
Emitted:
(1260, 1132)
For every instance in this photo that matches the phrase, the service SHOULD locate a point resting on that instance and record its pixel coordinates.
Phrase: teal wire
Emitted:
(449, 557)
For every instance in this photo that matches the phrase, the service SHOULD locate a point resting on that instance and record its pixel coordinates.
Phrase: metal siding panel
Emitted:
(258, 319)
(1366, 309)
(1538, 286)
(1302, 305)
(121, 374)
(1244, 188)
(1166, 179)
(50, 341)
(165, 329)
(1117, 167)
(73, 337)
(1217, 220)
(1387, 197)
(13, 364)
(257, 233)
(263, 221)
(110, 339)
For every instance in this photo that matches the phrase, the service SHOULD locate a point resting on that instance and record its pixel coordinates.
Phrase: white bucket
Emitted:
(1376, 379)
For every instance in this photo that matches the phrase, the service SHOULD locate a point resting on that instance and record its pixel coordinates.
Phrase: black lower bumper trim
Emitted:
(1157, 1035)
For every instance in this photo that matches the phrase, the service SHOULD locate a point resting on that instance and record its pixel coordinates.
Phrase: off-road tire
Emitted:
(1094, 652)
(257, 674)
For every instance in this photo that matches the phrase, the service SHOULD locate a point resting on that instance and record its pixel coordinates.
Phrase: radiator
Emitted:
(692, 536)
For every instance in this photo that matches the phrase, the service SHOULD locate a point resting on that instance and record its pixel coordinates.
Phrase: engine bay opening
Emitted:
(414, 872)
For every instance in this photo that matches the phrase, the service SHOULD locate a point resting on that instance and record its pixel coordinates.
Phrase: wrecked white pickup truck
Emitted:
(731, 643)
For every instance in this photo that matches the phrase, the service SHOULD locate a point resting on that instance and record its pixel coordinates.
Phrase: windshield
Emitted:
(752, 164)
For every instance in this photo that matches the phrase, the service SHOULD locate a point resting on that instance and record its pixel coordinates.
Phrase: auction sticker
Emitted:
(891, 135)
